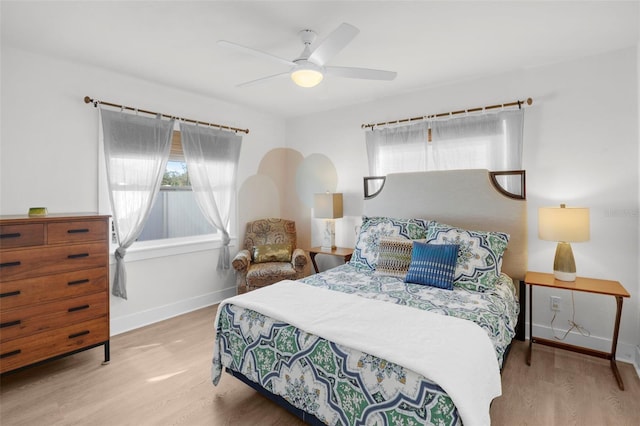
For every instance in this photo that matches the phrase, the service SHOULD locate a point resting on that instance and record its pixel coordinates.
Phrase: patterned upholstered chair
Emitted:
(269, 254)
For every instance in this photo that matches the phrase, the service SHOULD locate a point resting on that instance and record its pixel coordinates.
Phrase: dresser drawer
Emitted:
(38, 347)
(25, 235)
(20, 264)
(22, 322)
(76, 231)
(18, 293)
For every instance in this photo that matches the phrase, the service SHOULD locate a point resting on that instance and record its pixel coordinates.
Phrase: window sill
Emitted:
(170, 247)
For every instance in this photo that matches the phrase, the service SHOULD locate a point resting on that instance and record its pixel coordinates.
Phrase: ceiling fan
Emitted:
(309, 68)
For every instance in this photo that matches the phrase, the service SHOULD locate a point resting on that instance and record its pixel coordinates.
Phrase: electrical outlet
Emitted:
(555, 303)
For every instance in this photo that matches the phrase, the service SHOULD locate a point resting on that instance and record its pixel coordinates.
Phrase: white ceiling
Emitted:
(428, 43)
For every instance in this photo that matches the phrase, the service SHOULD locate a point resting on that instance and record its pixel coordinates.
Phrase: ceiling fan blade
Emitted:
(260, 80)
(334, 43)
(363, 73)
(254, 52)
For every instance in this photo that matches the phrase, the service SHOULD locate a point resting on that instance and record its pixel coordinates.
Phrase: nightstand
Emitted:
(589, 285)
(344, 253)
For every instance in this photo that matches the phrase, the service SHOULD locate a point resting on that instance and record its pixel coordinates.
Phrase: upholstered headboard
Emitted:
(465, 198)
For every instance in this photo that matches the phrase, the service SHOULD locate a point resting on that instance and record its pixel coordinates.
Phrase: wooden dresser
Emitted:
(54, 287)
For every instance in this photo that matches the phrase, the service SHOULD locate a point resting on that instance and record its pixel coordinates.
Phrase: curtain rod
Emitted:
(95, 102)
(519, 104)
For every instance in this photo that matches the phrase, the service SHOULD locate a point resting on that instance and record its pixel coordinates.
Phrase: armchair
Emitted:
(284, 261)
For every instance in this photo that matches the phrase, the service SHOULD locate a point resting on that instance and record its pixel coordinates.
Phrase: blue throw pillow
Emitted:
(433, 264)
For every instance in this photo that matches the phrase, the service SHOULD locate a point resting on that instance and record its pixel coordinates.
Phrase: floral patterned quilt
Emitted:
(342, 386)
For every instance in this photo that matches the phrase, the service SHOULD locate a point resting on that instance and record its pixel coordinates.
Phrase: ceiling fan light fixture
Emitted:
(308, 69)
(307, 75)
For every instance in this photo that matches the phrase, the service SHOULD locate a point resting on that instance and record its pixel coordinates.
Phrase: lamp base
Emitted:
(564, 276)
(564, 265)
(329, 235)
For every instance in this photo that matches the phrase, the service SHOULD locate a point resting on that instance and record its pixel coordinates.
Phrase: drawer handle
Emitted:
(78, 308)
(13, 235)
(77, 231)
(77, 256)
(86, 280)
(10, 293)
(7, 264)
(12, 353)
(81, 333)
(10, 323)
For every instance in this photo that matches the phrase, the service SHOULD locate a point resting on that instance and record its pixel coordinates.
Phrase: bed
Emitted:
(371, 342)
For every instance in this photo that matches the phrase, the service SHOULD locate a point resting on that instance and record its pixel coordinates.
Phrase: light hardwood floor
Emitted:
(159, 375)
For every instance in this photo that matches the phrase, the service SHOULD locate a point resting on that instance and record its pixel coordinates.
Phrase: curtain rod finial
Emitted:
(88, 100)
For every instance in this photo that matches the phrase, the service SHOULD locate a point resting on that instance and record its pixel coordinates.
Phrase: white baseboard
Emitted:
(625, 352)
(160, 313)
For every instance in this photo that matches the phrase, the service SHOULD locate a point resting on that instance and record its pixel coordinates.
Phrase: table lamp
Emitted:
(328, 206)
(565, 225)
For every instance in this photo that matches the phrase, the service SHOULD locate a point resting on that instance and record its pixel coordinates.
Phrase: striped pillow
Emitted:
(394, 257)
(433, 265)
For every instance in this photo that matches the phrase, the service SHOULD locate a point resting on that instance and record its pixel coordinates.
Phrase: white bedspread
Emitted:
(455, 353)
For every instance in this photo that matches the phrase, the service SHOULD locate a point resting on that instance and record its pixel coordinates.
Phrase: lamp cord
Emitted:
(571, 322)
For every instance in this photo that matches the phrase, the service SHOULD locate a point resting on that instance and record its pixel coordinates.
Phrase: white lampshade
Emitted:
(566, 224)
(327, 205)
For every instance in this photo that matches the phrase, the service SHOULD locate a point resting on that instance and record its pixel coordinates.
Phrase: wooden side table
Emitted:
(344, 253)
(589, 285)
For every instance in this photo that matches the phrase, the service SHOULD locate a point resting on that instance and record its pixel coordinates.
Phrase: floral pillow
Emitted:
(365, 254)
(479, 254)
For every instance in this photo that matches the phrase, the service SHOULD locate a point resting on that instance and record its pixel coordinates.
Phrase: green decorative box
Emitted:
(37, 211)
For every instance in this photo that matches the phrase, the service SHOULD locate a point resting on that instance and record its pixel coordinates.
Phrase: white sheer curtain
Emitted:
(136, 151)
(212, 162)
(491, 140)
(397, 149)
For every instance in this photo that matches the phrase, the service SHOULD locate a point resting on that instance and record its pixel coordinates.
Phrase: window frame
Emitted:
(152, 249)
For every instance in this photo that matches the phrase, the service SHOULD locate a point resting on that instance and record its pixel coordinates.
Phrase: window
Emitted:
(490, 141)
(175, 213)
(183, 217)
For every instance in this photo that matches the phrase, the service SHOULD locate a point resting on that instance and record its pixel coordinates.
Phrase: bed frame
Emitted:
(470, 199)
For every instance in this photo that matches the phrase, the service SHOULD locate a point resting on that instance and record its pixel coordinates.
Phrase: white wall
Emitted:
(581, 148)
(49, 157)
